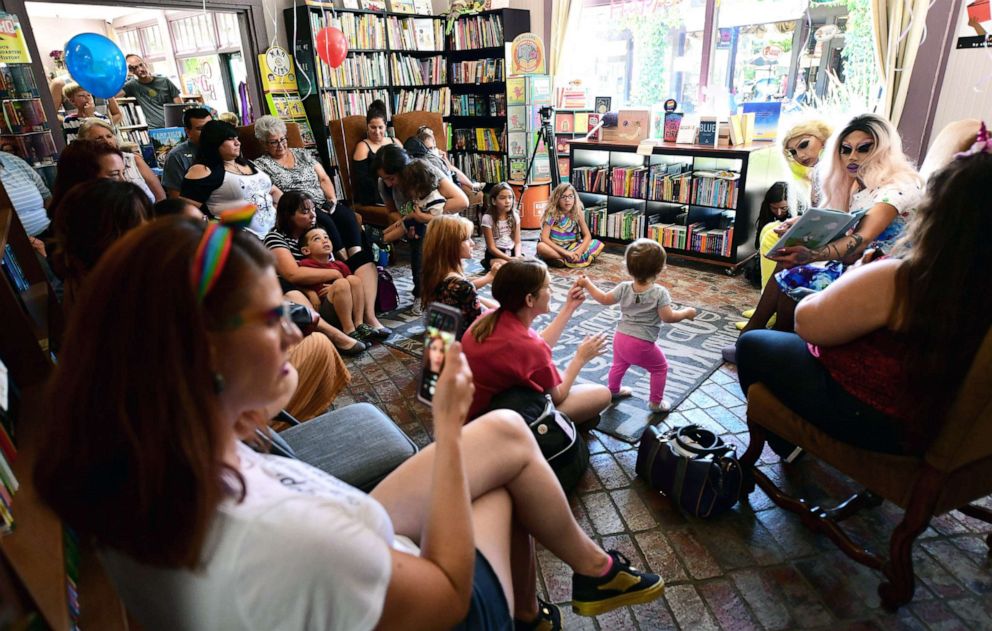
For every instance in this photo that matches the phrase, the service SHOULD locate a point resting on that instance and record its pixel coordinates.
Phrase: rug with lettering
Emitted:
(692, 348)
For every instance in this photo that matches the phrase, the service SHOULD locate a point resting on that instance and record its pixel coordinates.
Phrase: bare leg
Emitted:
(499, 451)
(369, 276)
(785, 315)
(545, 251)
(585, 401)
(340, 297)
(357, 299)
(766, 307)
(334, 334)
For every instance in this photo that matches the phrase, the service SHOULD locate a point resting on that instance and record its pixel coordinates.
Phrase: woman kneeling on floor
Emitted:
(214, 529)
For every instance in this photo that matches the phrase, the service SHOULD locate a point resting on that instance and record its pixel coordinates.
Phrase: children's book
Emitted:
(603, 104)
(423, 7)
(423, 31)
(564, 122)
(402, 6)
(673, 120)
(516, 118)
(766, 117)
(163, 140)
(688, 127)
(816, 228)
(374, 5)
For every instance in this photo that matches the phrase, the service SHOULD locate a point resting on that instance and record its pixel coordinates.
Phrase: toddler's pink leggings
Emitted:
(629, 350)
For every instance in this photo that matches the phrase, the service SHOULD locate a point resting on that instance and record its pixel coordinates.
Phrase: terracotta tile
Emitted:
(603, 514)
(694, 556)
(689, 609)
(765, 600)
(727, 606)
(608, 471)
(633, 511)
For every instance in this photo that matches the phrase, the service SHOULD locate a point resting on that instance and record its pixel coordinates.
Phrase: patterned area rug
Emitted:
(692, 348)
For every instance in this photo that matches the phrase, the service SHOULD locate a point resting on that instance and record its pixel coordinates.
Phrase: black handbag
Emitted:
(692, 466)
(556, 434)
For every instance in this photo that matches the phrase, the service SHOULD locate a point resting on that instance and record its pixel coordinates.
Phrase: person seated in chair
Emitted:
(877, 356)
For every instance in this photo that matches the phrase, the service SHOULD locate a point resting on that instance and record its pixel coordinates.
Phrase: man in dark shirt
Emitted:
(151, 91)
(181, 156)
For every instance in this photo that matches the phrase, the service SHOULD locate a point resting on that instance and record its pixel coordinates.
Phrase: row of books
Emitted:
(478, 139)
(477, 32)
(670, 182)
(136, 136)
(36, 149)
(409, 70)
(591, 179)
(132, 115)
(478, 71)
(358, 70)
(361, 30)
(481, 167)
(716, 188)
(695, 238)
(351, 102)
(17, 82)
(23, 117)
(423, 99)
(624, 224)
(478, 104)
(287, 106)
(629, 181)
(415, 33)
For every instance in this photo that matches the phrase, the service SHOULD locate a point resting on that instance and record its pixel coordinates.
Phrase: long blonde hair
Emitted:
(442, 253)
(554, 208)
(887, 164)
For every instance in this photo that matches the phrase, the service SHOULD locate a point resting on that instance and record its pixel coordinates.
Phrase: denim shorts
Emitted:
(488, 609)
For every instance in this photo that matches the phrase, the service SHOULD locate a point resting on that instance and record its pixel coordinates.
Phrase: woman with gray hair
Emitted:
(297, 170)
(136, 170)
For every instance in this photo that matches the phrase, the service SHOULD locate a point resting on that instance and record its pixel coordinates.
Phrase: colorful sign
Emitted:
(276, 68)
(13, 48)
(527, 55)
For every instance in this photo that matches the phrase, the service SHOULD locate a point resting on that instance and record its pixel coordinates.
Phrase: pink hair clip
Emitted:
(982, 144)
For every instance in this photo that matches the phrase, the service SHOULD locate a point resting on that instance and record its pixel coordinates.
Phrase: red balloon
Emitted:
(332, 46)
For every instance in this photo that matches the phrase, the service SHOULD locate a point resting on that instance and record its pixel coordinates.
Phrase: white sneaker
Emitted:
(662, 407)
(417, 309)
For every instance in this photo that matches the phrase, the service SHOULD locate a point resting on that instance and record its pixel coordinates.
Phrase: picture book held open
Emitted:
(816, 228)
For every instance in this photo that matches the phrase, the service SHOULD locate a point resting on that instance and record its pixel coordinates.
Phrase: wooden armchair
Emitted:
(345, 134)
(251, 148)
(954, 471)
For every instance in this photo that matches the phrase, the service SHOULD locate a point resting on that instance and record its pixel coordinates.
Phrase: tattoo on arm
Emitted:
(856, 241)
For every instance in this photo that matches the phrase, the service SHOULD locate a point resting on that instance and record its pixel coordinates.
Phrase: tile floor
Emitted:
(755, 567)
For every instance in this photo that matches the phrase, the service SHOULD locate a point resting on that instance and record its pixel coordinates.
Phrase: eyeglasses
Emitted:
(135, 67)
(862, 149)
(269, 317)
(567, 196)
(277, 142)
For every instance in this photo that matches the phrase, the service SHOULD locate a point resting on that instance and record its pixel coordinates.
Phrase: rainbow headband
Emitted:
(215, 247)
(982, 144)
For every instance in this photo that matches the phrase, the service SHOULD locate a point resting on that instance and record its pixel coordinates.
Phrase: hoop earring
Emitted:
(218, 380)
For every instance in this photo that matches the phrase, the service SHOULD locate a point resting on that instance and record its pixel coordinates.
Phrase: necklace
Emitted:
(235, 168)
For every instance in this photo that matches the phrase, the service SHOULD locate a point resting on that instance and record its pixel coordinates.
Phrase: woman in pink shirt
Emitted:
(504, 351)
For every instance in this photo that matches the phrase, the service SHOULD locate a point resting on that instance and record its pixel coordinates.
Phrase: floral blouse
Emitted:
(459, 293)
(301, 177)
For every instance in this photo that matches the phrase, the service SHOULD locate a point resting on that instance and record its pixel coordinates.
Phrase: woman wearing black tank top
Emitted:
(365, 180)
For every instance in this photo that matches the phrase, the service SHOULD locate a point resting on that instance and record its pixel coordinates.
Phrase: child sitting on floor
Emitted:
(345, 296)
(565, 237)
(644, 305)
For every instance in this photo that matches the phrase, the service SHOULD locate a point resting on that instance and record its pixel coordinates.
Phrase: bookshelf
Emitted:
(408, 62)
(699, 202)
(570, 124)
(479, 99)
(24, 128)
(133, 127)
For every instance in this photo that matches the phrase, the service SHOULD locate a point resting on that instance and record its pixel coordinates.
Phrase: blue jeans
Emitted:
(782, 362)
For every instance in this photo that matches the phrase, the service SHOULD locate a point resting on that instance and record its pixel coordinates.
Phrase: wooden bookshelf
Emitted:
(133, 127)
(726, 222)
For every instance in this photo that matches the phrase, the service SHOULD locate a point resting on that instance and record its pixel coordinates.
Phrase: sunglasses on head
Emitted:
(862, 149)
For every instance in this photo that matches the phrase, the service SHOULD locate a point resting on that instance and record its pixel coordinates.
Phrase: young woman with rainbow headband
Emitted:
(443, 542)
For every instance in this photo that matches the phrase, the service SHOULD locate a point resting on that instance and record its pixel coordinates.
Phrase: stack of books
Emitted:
(341, 104)
(131, 112)
(716, 188)
(481, 167)
(590, 179)
(479, 139)
(409, 70)
(425, 100)
(629, 181)
(569, 98)
(596, 219)
(477, 71)
(362, 30)
(415, 33)
(670, 183)
(358, 71)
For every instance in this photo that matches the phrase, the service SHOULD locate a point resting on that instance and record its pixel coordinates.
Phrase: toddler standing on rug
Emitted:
(643, 307)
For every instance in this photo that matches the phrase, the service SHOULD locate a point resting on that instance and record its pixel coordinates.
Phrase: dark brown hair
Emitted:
(79, 162)
(515, 280)
(135, 463)
(491, 206)
(417, 180)
(945, 253)
(289, 204)
(644, 259)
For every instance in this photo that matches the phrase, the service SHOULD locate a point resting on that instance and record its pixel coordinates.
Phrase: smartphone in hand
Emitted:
(441, 325)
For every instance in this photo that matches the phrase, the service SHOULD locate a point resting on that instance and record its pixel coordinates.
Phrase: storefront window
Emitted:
(227, 30)
(130, 42)
(201, 75)
(193, 34)
(153, 43)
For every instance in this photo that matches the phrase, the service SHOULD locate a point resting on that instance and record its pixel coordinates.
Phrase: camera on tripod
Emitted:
(546, 113)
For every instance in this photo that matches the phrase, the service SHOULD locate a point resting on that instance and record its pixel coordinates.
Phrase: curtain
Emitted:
(898, 26)
(563, 13)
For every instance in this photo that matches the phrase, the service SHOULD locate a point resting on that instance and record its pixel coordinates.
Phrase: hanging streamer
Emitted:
(300, 72)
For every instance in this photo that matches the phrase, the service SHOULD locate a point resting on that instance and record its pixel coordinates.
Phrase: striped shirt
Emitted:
(27, 192)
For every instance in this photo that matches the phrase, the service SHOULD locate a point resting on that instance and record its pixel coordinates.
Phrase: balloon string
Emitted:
(300, 72)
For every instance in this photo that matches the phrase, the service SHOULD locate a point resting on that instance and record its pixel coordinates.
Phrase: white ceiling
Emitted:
(84, 11)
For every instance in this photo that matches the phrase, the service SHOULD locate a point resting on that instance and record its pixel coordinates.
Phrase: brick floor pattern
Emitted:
(756, 567)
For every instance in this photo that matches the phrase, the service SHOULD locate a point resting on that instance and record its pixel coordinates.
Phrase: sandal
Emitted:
(548, 619)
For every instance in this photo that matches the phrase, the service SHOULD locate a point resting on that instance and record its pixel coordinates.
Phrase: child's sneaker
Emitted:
(661, 407)
(548, 619)
(622, 585)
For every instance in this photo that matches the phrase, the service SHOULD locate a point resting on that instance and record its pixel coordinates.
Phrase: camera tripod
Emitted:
(547, 134)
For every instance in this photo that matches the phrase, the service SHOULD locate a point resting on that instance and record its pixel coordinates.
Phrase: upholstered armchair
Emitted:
(954, 471)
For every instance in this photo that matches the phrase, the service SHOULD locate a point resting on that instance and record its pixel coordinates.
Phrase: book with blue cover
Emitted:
(766, 118)
(163, 140)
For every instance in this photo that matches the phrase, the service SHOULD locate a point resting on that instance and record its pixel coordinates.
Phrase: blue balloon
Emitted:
(96, 64)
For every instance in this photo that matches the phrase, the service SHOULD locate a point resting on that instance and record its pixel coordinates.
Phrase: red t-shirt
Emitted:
(514, 355)
(338, 265)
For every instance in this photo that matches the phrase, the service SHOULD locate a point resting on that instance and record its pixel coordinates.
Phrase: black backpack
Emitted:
(560, 442)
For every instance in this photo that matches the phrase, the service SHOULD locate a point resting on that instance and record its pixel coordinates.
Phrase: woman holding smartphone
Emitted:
(444, 541)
